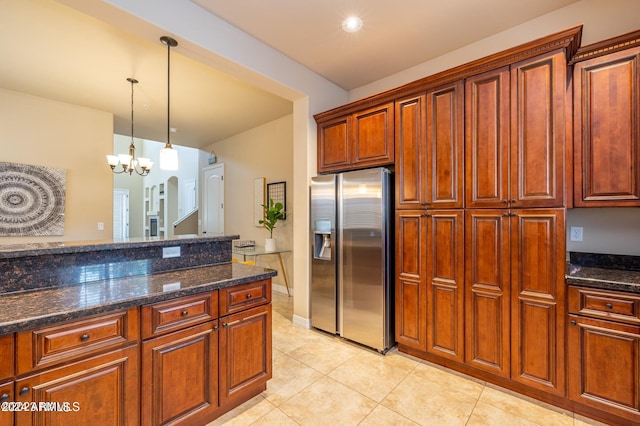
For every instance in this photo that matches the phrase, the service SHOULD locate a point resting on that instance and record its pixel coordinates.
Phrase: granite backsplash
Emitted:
(607, 261)
(33, 269)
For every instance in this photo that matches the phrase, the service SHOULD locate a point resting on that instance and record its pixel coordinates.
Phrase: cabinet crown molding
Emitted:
(607, 46)
(567, 40)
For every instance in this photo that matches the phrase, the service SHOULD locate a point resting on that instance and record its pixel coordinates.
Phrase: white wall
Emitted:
(265, 151)
(43, 132)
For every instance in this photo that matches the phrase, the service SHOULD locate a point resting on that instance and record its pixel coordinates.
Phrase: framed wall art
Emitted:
(32, 200)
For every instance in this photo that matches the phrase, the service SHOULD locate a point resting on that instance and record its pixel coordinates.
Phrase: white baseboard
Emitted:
(301, 321)
(281, 289)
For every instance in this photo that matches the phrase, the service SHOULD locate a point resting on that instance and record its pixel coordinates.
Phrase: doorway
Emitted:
(120, 214)
(213, 200)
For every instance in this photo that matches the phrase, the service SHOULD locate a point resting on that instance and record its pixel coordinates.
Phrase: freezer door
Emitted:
(363, 274)
(323, 253)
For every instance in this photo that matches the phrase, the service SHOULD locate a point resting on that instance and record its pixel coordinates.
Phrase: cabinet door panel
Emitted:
(607, 145)
(445, 141)
(6, 395)
(604, 358)
(105, 388)
(180, 375)
(410, 146)
(245, 354)
(373, 136)
(487, 290)
(334, 152)
(487, 139)
(538, 131)
(538, 299)
(445, 283)
(411, 269)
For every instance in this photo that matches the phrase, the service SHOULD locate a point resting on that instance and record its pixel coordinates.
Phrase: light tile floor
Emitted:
(319, 379)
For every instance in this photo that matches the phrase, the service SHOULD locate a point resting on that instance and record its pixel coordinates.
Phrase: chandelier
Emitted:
(128, 162)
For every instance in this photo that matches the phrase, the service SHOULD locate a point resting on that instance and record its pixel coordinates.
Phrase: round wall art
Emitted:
(31, 200)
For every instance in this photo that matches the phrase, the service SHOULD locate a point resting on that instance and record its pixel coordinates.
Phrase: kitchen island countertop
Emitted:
(25, 310)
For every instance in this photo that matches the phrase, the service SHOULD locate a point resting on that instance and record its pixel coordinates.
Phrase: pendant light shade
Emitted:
(168, 154)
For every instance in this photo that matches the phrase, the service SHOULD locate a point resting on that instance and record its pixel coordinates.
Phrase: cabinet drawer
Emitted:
(6, 356)
(163, 317)
(6, 395)
(618, 306)
(71, 340)
(244, 296)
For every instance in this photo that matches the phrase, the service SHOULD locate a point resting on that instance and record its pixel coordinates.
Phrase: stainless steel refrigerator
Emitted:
(352, 256)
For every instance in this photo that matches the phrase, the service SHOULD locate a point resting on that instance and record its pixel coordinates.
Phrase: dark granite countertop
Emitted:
(608, 272)
(29, 309)
(10, 251)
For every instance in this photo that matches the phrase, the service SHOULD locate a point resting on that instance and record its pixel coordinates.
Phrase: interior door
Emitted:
(120, 214)
(213, 200)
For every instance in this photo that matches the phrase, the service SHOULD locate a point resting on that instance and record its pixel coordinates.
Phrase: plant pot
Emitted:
(270, 244)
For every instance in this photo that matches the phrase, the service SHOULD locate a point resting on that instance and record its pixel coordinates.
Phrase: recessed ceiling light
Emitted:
(352, 24)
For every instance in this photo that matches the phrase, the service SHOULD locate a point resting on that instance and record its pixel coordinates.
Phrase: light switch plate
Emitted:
(575, 233)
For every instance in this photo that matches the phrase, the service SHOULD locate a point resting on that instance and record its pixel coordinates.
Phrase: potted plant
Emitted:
(272, 214)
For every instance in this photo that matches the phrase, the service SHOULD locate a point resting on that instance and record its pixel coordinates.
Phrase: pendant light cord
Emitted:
(168, 94)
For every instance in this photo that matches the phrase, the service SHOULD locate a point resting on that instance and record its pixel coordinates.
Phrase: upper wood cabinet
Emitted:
(607, 125)
(487, 139)
(358, 140)
(445, 146)
(515, 132)
(411, 173)
(429, 149)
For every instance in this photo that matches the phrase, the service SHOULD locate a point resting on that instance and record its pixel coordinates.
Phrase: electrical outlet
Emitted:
(170, 252)
(575, 233)
(100, 226)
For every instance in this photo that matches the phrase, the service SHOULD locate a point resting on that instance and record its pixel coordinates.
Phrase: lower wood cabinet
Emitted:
(604, 353)
(604, 358)
(411, 279)
(515, 297)
(445, 283)
(245, 354)
(6, 395)
(180, 376)
(102, 390)
(189, 367)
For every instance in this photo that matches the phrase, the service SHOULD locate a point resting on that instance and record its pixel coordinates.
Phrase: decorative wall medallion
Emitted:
(31, 200)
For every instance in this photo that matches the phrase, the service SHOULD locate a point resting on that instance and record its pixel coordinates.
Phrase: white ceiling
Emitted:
(51, 50)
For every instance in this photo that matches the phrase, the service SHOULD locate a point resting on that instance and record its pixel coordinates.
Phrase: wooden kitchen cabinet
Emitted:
(514, 134)
(445, 283)
(429, 147)
(358, 140)
(538, 299)
(487, 291)
(6, 355)
(180, 376)
(603, 366)
(103, 389)
(411, 279)
(604, 352)
(607, 124)
(445, 146)
(410, 140)
(245, 354)
(6, 395)
(487, 139)
(515, 295)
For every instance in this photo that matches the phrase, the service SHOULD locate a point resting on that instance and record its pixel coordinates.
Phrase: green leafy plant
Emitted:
(272, 214)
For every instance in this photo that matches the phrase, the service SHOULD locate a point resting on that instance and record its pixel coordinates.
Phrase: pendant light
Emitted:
(168, 154)
(128, 162)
